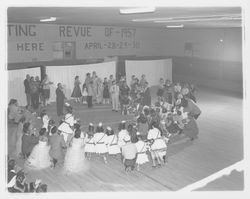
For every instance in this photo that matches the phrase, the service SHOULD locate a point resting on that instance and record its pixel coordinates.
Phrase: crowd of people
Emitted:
(111, 91)
(145, 139)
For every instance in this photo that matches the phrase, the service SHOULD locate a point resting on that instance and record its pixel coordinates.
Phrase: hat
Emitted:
(145, 107)
(126, 138)
(123, 121)
(109, 128)
(138, 133)
(178, 102)
(67, 104)
(90, 124)
(100, 124)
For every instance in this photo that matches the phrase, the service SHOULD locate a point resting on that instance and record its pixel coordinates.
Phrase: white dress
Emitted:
(66, 126)
(39, 157)
(100, 143)
(112, 144)
(159, 143)
(142, 156)
(89, 144)
(45, 122)
(121, 135)
(75, 159)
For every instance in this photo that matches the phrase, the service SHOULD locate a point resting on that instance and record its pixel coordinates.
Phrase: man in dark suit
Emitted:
(27, 89)
(60, 97)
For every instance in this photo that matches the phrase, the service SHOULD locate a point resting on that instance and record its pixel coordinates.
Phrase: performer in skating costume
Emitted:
(158, 145)
(89, 142)
(112, 142)
(100, 142)
(66, 127)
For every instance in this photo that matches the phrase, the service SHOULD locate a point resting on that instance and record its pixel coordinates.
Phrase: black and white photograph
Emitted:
(124, 99)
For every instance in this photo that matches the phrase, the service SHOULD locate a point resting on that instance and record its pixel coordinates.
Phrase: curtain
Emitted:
(16, 86)
(66, 75)
(153, 69)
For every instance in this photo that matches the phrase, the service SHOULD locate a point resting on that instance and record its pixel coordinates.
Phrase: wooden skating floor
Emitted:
(220, 144)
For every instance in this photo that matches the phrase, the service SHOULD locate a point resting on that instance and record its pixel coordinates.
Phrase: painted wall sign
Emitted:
(37, 42)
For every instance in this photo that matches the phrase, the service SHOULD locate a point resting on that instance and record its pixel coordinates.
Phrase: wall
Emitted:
(214, 60)
(206, 43)
(223, 75)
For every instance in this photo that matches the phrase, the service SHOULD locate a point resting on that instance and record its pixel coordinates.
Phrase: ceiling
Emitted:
(190, 17)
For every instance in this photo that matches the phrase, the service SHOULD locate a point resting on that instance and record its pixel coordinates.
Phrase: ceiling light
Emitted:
(137, 10)
(48, 19)
(151, 19)
(175, 26)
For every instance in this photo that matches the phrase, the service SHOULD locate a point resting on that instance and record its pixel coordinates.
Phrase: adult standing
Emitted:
(46, 89)
(34, 91)
(90, 92)
(87, 79)
(124, 93)
(59, 99)
(106, 95)
(77, 94)
(111, 79)
(143, 81)
(146, 99)
(27, 90)
(95, 85)
(99, 90)
(38, 83)
(114, 90)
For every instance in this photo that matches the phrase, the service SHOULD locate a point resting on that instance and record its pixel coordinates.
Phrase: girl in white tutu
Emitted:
(158, 146)
(112, 142)
(89, 142)
(66, 127)
(100, 142)
(142, 148)
(122, 133)
(74, 161)
(39, 157)
(45, 119)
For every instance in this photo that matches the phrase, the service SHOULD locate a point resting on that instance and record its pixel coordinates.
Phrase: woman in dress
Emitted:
(46, 90)
(89, 142)
(100, 142)
(84, 94)
(99, 90)
(74, 161)
(39, 157)
(112, 142)
(77, 90)
(106, 95)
